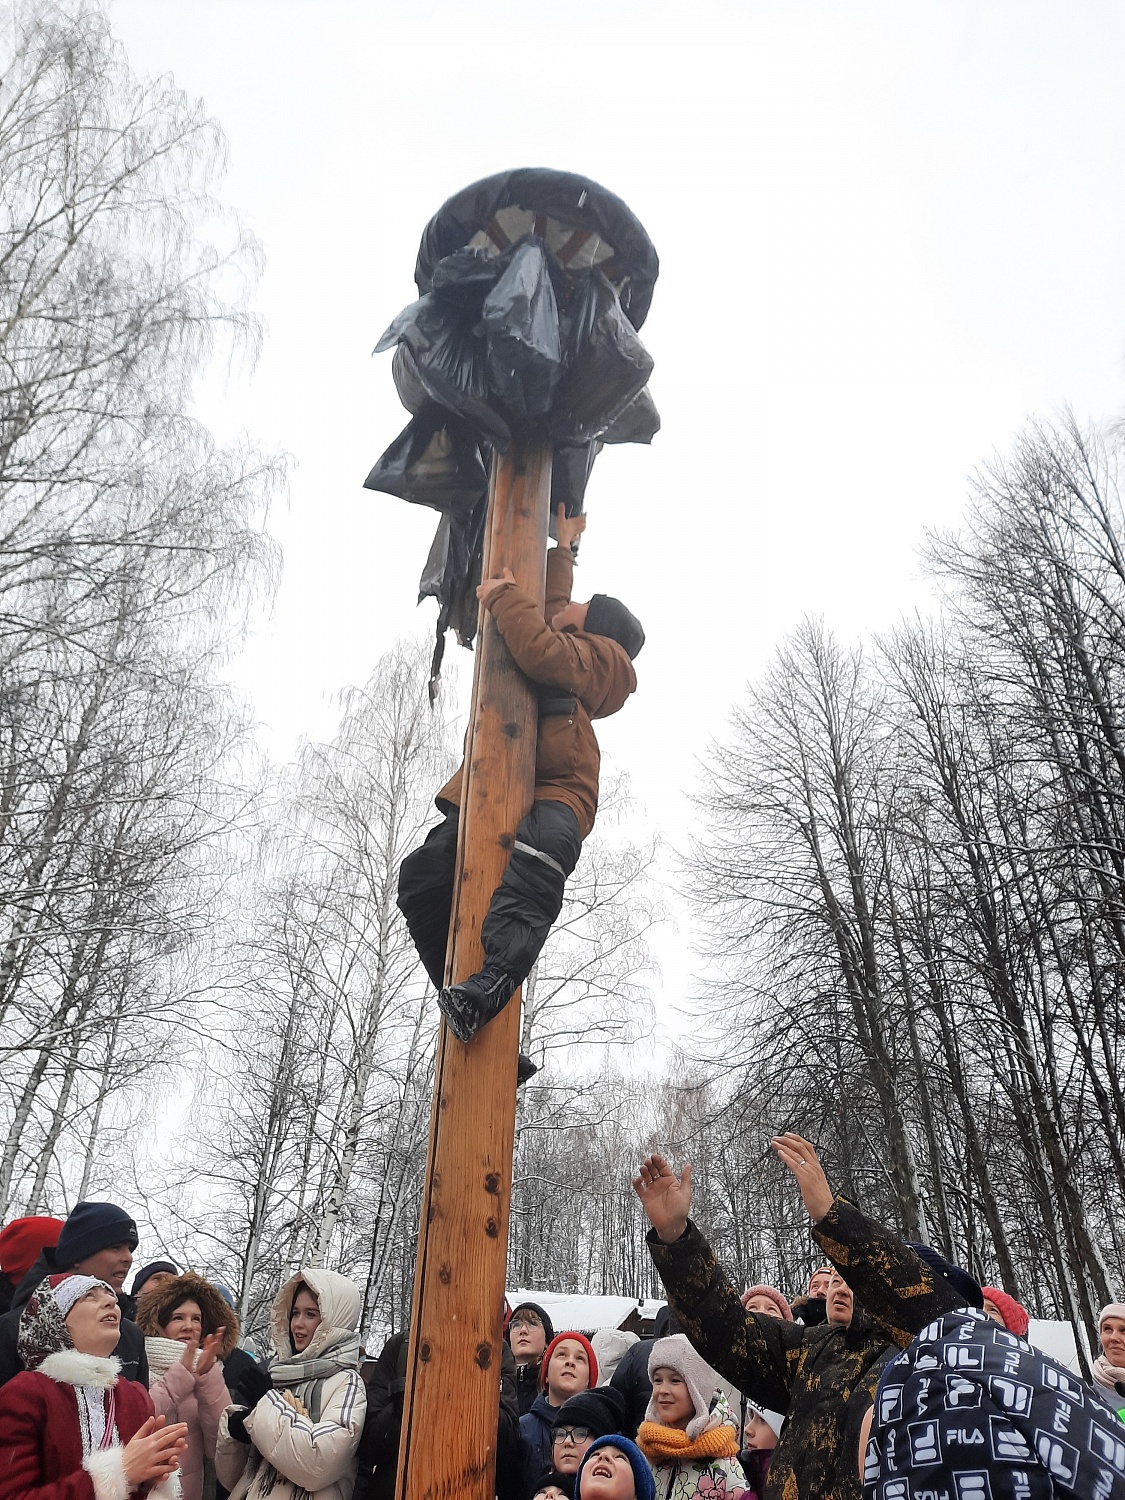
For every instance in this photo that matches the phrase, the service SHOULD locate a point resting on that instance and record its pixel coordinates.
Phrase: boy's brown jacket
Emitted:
(823, 1377)
(591, 668)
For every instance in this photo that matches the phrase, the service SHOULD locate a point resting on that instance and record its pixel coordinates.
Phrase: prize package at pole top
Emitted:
(532, 285)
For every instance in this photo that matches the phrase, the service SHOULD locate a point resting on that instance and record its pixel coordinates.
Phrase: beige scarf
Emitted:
(1107, 1375)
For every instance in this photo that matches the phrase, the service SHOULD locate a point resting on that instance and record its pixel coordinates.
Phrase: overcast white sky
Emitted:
(889, 234)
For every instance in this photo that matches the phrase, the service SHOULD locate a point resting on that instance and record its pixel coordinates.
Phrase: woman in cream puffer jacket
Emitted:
(300, 1437)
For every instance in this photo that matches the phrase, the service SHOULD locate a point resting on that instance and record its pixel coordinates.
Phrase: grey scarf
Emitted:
(306, 1377)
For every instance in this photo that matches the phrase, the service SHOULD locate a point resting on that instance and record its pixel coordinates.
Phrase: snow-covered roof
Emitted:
(1057, 1339)
(586, 1313)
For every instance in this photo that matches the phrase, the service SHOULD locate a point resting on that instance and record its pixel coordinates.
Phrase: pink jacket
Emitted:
(200, 1402)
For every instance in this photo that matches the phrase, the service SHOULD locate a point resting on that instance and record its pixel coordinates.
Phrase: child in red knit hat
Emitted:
(562, 1377)
(569, 1366)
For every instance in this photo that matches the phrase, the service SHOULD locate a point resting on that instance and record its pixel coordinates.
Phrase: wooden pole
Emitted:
(448, 1443)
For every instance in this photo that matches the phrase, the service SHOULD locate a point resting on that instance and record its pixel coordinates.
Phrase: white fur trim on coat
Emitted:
(107, 1469)
(68, 1367)
(167, 1489)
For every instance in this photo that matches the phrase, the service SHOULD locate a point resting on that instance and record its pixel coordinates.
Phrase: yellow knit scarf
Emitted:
(660, 1444)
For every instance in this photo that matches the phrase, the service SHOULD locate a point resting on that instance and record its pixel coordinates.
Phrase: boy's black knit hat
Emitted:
(963, 1284)
(564, 1482)
(608, 616)
(541, 1314)
(91, 1227)
(602, 1410)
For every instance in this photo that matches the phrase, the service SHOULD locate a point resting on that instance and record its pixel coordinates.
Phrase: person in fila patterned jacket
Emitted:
(972, 1412)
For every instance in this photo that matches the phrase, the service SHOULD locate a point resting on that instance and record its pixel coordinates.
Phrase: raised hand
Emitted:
(800, 1157)
(665, 1198)
(154, 1451)
(568, 528)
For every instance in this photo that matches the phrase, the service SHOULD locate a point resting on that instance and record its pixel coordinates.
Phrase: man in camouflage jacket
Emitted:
(824, 1377)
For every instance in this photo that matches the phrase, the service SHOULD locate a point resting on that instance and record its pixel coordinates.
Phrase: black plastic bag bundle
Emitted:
(532, 286)
(451, 575)
(606, 363)
(638, 423)
(490, 345)
(521, 320)
(435, 461)
(442, 334)
(581, 222)
(570, 473)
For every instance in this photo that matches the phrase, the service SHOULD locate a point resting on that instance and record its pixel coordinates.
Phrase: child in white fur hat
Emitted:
(689, 1434)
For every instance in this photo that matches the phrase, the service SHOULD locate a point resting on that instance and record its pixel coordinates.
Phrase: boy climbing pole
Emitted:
(580, 659)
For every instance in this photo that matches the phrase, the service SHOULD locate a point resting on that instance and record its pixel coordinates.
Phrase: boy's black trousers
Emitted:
(524, 905)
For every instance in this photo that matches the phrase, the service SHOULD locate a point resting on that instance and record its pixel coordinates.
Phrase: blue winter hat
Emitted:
(644, 1486)
(966, 1286)
(91, 1227)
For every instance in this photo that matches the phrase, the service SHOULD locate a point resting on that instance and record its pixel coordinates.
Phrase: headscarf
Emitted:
(971, 1409)
(43, 1333)
(42, 1326)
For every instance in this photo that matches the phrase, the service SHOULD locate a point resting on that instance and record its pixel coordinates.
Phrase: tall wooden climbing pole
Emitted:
(448, 1439)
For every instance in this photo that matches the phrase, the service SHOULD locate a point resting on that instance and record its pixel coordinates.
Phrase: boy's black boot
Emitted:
(475, 1001)
(525, 1069)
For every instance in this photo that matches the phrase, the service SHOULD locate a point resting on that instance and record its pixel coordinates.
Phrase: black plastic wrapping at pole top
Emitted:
(563, 196)
(533, 284)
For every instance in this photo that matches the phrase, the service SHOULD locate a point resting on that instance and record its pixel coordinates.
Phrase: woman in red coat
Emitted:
(70, 1428)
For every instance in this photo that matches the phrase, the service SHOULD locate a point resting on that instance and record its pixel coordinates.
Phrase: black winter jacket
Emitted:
(382, 1426)
(527, 1385)
(811, 1311)
(130, 1345)
(631, 1375)
(538, 1435)
(631, 1379)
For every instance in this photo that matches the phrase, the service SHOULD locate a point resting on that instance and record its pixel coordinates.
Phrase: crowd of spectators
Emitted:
(892, 1374)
